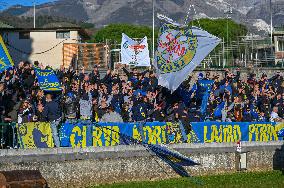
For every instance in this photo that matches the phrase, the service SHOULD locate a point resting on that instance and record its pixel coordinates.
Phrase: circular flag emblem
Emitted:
(176, 48)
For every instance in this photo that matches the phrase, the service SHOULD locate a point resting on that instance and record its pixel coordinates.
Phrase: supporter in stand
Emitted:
(70, 106)
(262, 117)
(158, 114)
(52, 114)
(95, 75)
(85, 102)
(25, 112)
(136, 96)
(274, 115)
(111, 116)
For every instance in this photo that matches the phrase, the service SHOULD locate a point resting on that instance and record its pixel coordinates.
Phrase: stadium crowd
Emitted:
(136, 96)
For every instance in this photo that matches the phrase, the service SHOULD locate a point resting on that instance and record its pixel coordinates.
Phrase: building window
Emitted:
(62, 34)
(281, 45)
(24, 35)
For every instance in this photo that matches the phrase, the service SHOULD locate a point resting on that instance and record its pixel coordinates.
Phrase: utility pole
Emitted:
(153, 42)
(256, 57)
(219, 62)
(227, 55)
(252, 46)
(245, 55)
(271, 28)
(34, 14)
(223, 49)
(230, 11)
(282, 62)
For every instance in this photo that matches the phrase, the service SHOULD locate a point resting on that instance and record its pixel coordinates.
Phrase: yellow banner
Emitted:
(35, 135)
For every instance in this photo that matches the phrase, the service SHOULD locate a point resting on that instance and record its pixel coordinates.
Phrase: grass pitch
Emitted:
(272, 179)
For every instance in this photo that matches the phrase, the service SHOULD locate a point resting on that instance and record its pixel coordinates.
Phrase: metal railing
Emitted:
(8, 136)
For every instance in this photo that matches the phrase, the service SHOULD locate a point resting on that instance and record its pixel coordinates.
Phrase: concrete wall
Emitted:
(66, 167)
(39, 41)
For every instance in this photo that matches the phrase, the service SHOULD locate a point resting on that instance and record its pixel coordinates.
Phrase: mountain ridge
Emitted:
(254, 13)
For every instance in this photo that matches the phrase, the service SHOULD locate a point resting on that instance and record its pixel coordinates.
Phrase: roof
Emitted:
(278, 31)
(60, 25)
(81, 31)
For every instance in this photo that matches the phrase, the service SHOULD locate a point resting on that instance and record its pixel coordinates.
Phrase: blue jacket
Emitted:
(139, 112)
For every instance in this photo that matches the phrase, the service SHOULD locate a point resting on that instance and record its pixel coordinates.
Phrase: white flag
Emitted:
(134, 53)
(180, 51)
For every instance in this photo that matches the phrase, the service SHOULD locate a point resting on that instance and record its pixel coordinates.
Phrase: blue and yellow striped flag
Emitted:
(47, 79)
(5, 58)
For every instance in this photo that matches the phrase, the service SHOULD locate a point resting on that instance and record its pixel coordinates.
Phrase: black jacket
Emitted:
(51, 111)
(94, 77)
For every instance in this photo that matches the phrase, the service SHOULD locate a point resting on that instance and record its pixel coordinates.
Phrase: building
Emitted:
(278, 36)
(41, 44)
(4, 25)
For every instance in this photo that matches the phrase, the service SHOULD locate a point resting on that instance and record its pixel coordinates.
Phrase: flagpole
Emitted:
(271, 22)
(153, 37)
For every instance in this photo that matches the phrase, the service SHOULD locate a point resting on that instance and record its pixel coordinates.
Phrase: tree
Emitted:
(113, 32)
(218, 27)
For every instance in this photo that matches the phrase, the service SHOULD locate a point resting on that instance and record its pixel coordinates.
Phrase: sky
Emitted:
(7, 3)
